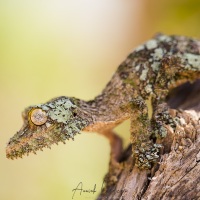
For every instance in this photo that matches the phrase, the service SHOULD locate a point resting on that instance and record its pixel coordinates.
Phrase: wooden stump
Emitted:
(177, 174)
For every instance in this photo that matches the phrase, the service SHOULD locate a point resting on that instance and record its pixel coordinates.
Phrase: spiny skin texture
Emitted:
(149, 72)
(64, 120)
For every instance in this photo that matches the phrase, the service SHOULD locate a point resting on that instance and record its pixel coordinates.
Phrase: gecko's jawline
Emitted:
(30, 142)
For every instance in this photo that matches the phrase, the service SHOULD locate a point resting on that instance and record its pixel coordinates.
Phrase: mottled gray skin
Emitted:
(148, 73)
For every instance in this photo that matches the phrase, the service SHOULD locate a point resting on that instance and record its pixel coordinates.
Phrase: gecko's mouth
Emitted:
(185, 96)
(29, 140)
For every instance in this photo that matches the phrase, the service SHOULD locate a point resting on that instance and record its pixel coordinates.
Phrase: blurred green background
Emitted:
(50, 48)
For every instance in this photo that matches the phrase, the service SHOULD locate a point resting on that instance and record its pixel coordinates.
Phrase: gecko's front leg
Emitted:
(144, 149)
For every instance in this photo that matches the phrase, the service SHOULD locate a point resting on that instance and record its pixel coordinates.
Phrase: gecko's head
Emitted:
(46, 124)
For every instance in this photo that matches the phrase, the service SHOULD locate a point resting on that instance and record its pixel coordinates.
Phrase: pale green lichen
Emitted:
(151, 44)
(155, 66)
(139, 48)
(161, 133)
(48, 124)
(155, 59)
(164, 38)
(137, 68)
(192, 60)
(158, 54)
(182, 121)
(60, 114)
(144, 74)
(74, 126)
(60, 110)
(148, 89)
(64, 112)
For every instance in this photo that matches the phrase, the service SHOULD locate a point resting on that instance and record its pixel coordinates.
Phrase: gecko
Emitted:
(150, 72)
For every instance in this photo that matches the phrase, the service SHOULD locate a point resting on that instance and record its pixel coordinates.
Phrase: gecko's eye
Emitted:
(38, 116)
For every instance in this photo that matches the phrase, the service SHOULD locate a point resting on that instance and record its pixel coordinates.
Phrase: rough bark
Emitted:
(177, 174)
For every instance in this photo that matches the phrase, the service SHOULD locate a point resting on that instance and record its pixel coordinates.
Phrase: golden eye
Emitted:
(38, 116)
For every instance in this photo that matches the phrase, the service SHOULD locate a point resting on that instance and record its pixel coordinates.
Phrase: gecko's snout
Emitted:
(17, 145)
(31, 139)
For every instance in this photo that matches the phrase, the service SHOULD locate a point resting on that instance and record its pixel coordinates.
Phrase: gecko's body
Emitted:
(149, 72)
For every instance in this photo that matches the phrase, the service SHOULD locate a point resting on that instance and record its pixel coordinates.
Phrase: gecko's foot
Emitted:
(162, 117)
(146, 155)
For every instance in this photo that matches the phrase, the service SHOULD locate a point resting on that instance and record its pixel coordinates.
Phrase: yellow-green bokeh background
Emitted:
(50, 48)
